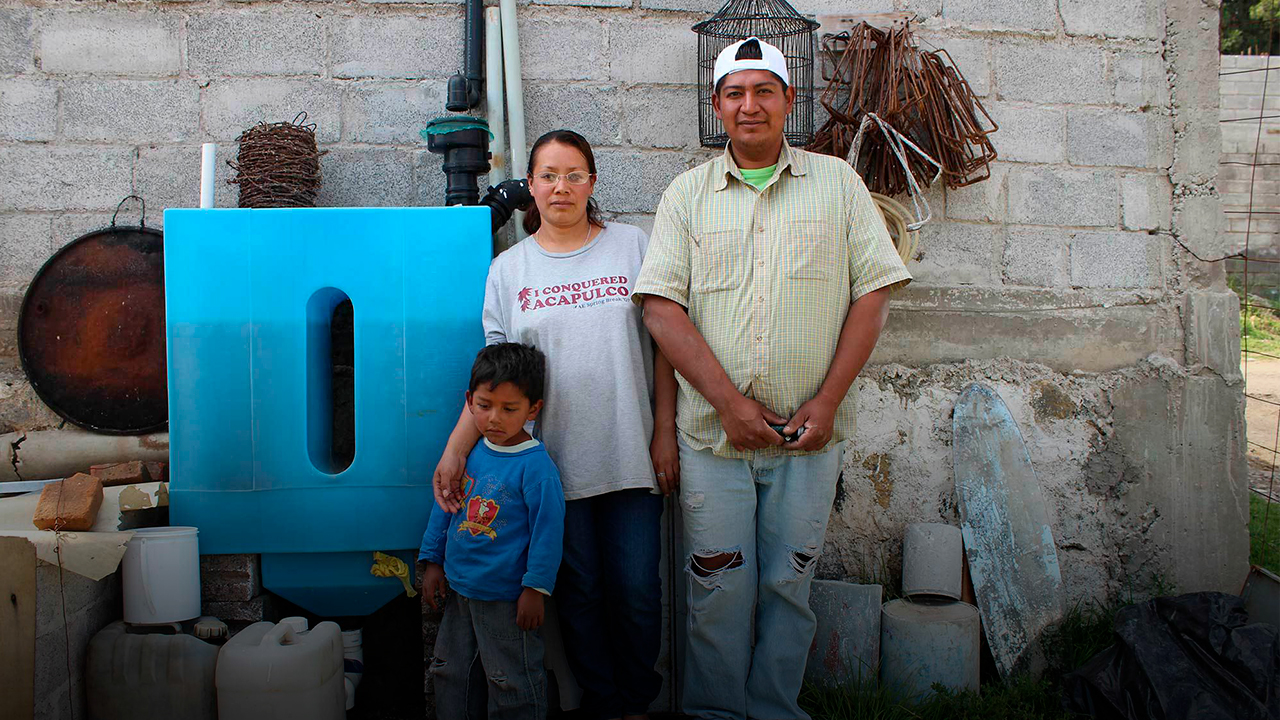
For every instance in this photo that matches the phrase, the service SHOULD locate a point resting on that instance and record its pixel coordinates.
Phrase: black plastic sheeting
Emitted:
(1191, 657)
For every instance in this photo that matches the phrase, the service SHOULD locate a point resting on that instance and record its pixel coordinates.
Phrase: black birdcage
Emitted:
(778, 24)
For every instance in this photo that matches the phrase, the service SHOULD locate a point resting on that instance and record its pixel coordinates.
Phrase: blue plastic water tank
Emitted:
(249, 297)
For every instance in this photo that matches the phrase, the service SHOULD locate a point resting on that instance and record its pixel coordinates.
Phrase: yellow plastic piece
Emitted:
(389, 566)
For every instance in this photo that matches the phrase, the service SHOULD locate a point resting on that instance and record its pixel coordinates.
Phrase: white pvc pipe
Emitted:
(207, 152)
(515, 99)
(47, 454)
(493, 95)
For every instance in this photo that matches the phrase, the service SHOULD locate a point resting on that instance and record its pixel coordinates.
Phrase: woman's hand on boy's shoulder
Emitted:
(433, 585)
(529, 609)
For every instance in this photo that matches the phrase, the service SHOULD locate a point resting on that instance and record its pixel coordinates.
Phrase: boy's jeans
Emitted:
(765, 516)
(484, 632)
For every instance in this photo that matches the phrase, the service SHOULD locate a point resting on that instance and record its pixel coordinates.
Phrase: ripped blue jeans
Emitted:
(753, 529)
(480, 651)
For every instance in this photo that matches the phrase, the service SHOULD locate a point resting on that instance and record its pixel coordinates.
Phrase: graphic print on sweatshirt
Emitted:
(481, 516)
(585, 293)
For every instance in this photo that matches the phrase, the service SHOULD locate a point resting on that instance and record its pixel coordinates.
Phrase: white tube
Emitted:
(207, 152)
(493, 95)
(515, 99)
(62, 453)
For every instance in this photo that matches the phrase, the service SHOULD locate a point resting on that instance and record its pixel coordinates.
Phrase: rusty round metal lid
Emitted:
(91, 332)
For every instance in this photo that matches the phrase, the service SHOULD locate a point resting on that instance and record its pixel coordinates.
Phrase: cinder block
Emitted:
(1108, 137)
(642, 221)
(653, 51)
(238, 614)
(1212, 321)
(28, 110)
(71, 504)
(230, 578)
(592, 110)
(1140, 80)
(274, 43)
(1029, 133)
(104, 41)
(131, 110)
(972, 57)
(984, 201)
(1192, 48)
(1036, 257)
(1147, 200)
(706, 7)
(40, 177)
(632, 181)
(233, 106)
(125, 473)
(406, 47)
(366, 177)
(1197, 146)
(662, 117)
(169, 177)
(1004, 14)
(1116, 260)
(1063, 196)
(1139, 19)
(1199, 221)
(547, 44)
(1051, 73)
(392, 113)
(16, 46)
(429, 179)
(25, 245)
(953, 253)
(586, 3)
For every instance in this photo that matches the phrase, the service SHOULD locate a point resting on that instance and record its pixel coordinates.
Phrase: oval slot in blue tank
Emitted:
(322, 337)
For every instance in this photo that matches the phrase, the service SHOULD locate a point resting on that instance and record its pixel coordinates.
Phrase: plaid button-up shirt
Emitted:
(767, 277)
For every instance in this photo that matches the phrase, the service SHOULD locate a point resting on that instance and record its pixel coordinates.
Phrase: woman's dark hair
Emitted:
(532, 219)
(521, 365)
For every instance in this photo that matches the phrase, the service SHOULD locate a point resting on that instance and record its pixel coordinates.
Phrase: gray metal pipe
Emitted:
(61, 453)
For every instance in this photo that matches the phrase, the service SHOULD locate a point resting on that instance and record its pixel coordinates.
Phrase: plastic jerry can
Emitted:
(272, 672)
(131, 676)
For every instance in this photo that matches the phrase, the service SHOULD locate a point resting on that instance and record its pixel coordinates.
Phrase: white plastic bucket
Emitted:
(161, 572)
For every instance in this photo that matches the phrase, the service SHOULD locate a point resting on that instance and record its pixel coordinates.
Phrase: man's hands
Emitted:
(817, 417)
(747, 422)
(446, 482)
(433, 585)
(529, 609)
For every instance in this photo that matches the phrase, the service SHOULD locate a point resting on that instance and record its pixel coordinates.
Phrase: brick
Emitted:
(238, 614)
(16, 46)
(28, 110)
(1063, 197)
(230, 577)
(382, 113)
(1051, 73)
(661, 117)
(1029, 133)
(366, 177)
(24, 245)
(131, 110)
(650, 51)
(959, 254)
(1004, 14)
(159, 471)
(1116, 260)
(275, 43)
(592, 110)
(1037, 257)
(983, 201)
(1108, 137)
(118, 43)
(1140, 80)
(407, 47)
(169, 177)
(125, 473)
(233, 106)
(1147, 202)
(47, 178)
(1139, 19)
(70, 504)
(632, 182)
(542, 40)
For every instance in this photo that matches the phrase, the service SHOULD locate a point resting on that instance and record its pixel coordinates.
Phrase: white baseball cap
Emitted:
(771, 59)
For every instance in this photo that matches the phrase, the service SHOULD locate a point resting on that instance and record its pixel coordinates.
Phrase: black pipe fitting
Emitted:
(466, 155)
(464, 89)
(505, 198)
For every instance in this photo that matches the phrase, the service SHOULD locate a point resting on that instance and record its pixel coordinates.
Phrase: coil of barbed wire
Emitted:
(278, 165)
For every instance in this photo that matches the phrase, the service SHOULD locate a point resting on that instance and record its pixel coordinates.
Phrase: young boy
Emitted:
(501, 551)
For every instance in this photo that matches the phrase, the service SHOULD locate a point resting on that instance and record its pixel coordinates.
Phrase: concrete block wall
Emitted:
(1249, 176)
(1065, 270)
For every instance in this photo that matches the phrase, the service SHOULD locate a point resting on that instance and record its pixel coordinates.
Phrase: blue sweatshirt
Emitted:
(510, 531)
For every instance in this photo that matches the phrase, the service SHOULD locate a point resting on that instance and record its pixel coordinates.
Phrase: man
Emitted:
(766, 284)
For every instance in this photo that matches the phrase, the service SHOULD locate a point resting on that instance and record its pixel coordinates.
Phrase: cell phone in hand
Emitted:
(788, 438)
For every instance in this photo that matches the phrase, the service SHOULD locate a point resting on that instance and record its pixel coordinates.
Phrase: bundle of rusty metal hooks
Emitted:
(920, 94)
(278, 165)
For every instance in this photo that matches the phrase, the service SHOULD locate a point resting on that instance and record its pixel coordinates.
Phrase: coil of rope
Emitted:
(897, 219)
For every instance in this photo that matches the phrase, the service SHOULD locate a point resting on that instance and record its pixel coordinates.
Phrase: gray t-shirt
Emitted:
(576, 308)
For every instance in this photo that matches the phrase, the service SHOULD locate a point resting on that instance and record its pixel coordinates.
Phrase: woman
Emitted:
(609, 421)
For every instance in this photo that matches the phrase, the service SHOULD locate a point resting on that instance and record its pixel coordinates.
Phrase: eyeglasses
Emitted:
(549, 179)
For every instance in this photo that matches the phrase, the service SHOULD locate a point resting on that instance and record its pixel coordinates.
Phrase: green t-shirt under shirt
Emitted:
(758, 176)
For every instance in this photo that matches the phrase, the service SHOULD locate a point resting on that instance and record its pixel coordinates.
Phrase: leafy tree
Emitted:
(1250, 27)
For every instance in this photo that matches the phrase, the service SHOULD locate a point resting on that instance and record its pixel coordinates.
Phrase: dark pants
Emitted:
(610, 600)
(480, 638)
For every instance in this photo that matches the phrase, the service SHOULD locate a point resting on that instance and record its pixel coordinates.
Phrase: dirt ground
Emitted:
(1262, 384)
